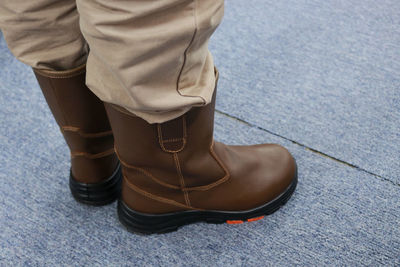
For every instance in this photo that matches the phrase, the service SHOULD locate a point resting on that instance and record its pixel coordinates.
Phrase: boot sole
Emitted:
(137, 222)
(97, 194)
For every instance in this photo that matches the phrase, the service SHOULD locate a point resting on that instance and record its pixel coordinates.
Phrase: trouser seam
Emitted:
(185, 55)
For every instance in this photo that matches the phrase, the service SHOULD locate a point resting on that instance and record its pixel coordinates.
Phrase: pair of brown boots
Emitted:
(165, 175)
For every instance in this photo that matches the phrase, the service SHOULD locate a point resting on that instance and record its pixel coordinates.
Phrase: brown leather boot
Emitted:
(175, 174)
(95, 173)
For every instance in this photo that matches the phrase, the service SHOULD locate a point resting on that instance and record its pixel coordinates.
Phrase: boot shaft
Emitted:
(160, 147)
(174, 173)
(83, 122)
(172, 158)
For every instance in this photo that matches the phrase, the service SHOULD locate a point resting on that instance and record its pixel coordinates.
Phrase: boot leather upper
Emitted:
(177, 165)
(83, 122)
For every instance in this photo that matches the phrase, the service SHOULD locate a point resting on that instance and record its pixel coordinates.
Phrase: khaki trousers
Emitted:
(148, 56)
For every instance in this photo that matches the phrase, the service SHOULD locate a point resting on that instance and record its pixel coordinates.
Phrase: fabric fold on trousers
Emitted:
(150, 57)
(44, 34)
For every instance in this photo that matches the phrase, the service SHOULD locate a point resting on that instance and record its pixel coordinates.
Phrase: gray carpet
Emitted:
(319, 77)
(322, 73)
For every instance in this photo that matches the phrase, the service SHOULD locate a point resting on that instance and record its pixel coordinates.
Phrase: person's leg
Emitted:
(45, 35)
(150, 63)
(151, 57)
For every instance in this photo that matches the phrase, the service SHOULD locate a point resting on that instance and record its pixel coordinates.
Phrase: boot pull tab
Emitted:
(172, 135)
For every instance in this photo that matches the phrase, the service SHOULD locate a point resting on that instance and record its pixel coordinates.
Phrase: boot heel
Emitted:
(97, 194)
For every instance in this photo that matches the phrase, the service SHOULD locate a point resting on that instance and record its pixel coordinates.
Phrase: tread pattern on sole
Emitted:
(97, 194)
(137, 222)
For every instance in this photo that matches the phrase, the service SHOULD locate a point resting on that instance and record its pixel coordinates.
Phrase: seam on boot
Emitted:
(146, 173)
(194, 188)
(157, 198)
(83, 134)
(182, 139)
(91, 155)
(181, 179)
(219, 181)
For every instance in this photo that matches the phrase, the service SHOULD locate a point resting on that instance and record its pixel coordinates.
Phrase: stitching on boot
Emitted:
(157, 198)
(182, 139)
(181, 178)
(83, 134)
(216, 183)
(92, 156)
(172, 140)
(146, 173)
(194, 188)
(62, 74)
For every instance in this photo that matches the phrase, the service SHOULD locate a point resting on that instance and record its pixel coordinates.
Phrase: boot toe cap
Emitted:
(279, 168)
(258, 174)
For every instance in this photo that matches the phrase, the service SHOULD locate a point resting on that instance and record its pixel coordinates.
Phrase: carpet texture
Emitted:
(322, 73)
(319, 77)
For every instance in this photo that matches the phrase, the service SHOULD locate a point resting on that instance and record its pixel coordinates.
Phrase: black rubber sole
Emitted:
(97, 194)
(137, 222)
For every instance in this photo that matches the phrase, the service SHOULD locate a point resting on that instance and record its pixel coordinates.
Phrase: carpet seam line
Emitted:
(309, 148)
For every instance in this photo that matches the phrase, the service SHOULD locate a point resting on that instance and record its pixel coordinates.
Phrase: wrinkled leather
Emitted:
(177, 166)
(83, 122)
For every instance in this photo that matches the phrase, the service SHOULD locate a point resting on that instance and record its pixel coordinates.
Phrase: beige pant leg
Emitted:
(43, 33)
(151, 57)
